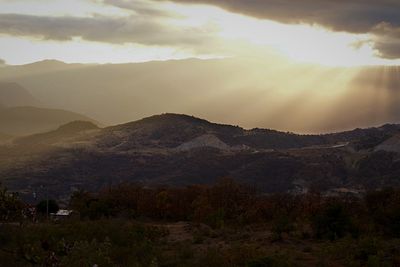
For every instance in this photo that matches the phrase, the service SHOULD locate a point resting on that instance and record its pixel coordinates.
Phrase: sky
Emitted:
(331, 33)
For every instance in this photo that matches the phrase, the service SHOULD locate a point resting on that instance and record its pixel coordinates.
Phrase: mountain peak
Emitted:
(174, 117)
(48, 62)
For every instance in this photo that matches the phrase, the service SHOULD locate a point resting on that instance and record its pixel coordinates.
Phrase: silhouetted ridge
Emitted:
(169, 118)
(174, 117)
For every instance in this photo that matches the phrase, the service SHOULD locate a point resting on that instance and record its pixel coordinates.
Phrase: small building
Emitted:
(61, 214)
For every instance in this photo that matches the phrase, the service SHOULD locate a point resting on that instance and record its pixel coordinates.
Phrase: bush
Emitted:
(332, 221)
(282, 224)
(85, 253)
(271, 261)
(384, 209)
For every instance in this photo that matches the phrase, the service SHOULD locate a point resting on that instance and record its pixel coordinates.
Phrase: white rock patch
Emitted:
(206, 140)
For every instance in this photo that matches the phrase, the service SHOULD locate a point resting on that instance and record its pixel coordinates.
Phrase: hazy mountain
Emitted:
(29, 120)
(9, 72)
(177, 149)
(252, 92)
(14, 95)
(4, 137)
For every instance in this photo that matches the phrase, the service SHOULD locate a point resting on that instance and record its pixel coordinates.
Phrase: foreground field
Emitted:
(130, 243)
(226, 224)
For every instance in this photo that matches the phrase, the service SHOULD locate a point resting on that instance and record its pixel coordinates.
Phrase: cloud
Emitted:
(118, 30)
(344, 15)
(354, 16)
(142, 7)
(148, 22)
(145, 23)
(388, 40)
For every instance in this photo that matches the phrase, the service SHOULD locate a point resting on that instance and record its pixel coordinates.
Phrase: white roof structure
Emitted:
(63, 213)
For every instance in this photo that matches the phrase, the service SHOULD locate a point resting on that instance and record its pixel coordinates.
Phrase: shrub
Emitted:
(332, 221)
(384, 209)
(282, 224)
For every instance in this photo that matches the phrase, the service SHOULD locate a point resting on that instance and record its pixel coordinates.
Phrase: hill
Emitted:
(177, 150)
(29, 120)
(62, 134)
(14, 95)
(392, 144)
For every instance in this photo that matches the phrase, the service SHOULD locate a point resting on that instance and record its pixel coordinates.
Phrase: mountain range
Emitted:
(250, 92)
(178, 150)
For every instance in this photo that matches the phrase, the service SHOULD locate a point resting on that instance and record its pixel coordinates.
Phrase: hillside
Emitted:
(14, 95)
(61, 135)
(390, 145)
(176, 150)
(4, 137)
(171, 130)
(29, 120)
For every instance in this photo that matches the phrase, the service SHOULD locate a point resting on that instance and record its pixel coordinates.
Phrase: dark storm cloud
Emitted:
(354, 16)
(131, 29)
(348, 15)
(389, 49)
(388, 40)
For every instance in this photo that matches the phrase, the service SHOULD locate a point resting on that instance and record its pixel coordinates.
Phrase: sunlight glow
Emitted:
(302, 43)
(22, 51)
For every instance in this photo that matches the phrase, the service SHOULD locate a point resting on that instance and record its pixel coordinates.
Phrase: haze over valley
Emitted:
(246, 92)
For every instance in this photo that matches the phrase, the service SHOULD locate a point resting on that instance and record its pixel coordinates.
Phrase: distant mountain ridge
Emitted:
(227, 90)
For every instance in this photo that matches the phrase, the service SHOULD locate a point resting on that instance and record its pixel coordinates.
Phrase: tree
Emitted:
(47, 206)
(11, 208)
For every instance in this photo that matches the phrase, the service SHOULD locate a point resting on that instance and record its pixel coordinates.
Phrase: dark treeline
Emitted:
(228, 203)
